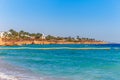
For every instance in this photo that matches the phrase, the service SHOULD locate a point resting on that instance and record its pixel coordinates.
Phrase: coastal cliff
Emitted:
(1, 42)
(25, 42)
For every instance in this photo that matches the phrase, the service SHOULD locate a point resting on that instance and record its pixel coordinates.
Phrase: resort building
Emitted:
(43, 36)
(2, 34)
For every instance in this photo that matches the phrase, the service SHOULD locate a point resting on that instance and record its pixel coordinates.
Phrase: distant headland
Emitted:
(13, 37)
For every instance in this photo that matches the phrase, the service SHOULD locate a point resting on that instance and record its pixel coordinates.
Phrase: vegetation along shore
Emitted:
(13, 37)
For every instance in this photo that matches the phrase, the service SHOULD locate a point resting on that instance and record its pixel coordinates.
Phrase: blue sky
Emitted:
(98, 19)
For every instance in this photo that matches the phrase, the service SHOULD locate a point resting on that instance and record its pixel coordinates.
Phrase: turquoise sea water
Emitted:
(66, 62)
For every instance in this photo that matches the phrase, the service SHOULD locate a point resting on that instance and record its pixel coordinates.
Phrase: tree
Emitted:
(59, 38)
(12, 34)
(38, 36)
(49, 37)
(70, 39)
(78, 38)
(24, 35)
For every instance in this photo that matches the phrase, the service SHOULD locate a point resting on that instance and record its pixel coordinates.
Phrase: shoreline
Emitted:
(5, 71)
(26, 42)
(12, 72)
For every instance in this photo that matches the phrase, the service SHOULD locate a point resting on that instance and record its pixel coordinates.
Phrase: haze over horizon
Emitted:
(99, 19)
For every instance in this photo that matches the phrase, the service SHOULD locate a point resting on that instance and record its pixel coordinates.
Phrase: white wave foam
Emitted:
(58, 48)
(3, 76)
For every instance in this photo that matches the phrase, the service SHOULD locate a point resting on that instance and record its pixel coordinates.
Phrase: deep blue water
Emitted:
(67, 61)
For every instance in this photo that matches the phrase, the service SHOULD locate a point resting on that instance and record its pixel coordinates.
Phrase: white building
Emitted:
(2, 34)
(43, 36)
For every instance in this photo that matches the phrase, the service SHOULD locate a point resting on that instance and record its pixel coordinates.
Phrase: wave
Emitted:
(58, 48)
(12, 72)
(4, 76)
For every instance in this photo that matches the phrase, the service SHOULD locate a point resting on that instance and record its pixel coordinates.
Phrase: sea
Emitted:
(60, 62)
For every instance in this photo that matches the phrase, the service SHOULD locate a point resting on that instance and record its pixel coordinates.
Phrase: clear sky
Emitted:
(98, 19)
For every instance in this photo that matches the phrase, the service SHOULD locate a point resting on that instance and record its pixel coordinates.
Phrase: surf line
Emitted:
(59, 48)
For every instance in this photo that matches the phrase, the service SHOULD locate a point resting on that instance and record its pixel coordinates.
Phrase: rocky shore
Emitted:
(25, 42)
